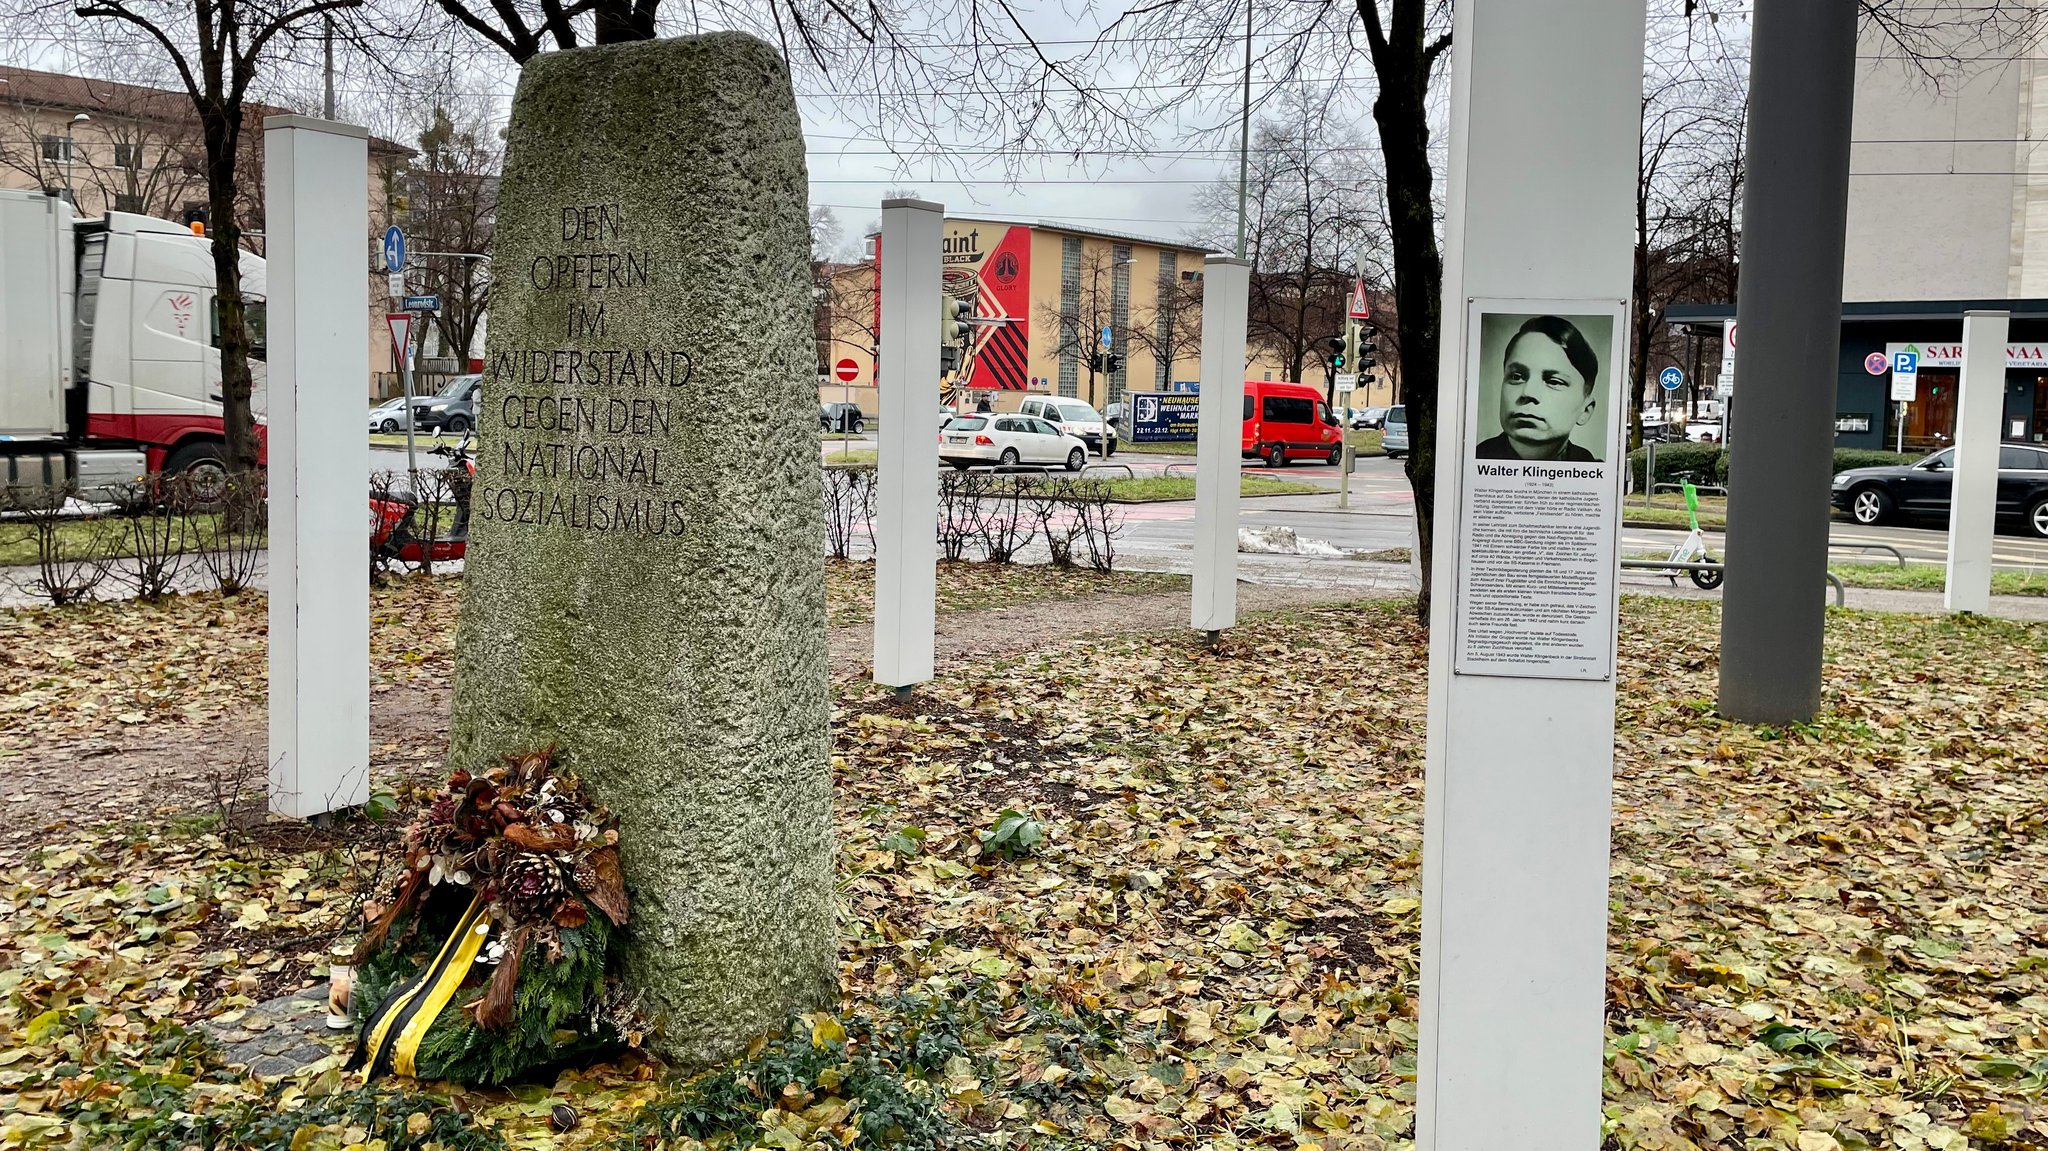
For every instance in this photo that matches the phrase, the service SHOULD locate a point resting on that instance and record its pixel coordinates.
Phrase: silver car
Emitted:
(388, 416)
(1394, 437)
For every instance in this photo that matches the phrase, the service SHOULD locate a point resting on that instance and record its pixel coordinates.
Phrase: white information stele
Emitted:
(1535, 595)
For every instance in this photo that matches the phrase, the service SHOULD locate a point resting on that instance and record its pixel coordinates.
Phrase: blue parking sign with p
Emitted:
(1907, 363)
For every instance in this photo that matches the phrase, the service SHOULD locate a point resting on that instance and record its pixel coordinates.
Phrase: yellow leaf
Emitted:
(43, 1026)
(1400, 905)
(825, 1030)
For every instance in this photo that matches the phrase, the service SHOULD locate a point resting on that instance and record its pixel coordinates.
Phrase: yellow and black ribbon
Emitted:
(390, 1039)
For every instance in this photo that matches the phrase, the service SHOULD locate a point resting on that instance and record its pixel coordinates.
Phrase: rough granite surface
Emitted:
(644, 584)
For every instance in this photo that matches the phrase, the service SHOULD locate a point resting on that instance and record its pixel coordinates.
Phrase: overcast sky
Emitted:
(1144, 183)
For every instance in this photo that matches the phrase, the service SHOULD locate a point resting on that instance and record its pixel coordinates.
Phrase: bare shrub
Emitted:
(849, 506)
(230, 542)
(959, 512)
(1007, 520)
(1056, 521)
(157, 539)
(1100, 519)
(73, 544)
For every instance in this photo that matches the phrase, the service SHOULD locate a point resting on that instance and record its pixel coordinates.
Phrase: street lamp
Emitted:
(70, 156)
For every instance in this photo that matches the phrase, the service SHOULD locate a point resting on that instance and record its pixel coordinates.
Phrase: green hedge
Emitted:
(1703, 460)
(1674, 460)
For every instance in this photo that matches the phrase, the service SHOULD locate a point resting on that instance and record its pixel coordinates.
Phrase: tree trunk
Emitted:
(222, 129)
(1402, 64)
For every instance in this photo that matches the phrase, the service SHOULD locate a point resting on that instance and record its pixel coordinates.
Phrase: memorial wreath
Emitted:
(506, 909)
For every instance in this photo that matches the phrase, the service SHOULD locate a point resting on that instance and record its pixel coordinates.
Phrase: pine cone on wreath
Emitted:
(530, 888)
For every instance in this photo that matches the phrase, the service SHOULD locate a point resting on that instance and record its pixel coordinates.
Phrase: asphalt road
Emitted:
(1381, 512)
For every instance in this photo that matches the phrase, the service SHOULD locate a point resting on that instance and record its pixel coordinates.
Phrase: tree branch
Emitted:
(111, 9)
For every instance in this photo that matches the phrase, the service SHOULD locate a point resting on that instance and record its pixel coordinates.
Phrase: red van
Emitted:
(1289, 422)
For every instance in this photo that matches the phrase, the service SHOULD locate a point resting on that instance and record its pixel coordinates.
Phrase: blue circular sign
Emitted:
(394, 249)
(1671, 378)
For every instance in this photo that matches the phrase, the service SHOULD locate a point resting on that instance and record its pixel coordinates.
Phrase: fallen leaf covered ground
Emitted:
(1827, 936)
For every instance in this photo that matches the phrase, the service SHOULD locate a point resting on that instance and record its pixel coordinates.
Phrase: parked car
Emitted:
(1878, 495)
(841, 417)
(452, 409)
(1395, 440)
(1076, 419)
(1703, 433)
(389, 416)
(1369, 418)
(1009, 440)
(1284, 421)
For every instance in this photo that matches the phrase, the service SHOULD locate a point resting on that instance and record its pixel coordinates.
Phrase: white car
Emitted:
(1008, 440)
(1076, 419)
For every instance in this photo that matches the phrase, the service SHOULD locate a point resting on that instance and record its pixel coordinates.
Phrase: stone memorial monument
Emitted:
(645, 578)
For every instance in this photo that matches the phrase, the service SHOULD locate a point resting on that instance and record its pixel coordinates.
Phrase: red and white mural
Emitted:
(990, 264)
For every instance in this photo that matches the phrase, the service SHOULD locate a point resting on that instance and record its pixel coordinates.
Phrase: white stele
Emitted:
(317, 190)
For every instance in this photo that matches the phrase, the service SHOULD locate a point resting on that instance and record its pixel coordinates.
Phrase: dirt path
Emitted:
(162, 771)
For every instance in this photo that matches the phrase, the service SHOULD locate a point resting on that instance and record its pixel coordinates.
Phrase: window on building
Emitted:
(127, 155)
(57, 149)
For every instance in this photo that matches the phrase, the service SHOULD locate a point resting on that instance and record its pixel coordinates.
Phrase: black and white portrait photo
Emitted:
(1543, 387)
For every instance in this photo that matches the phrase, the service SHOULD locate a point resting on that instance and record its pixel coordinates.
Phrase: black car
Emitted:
(840, 418)
(1921, 489)
(452, 409)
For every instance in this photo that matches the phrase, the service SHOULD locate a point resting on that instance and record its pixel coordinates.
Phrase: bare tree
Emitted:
(1691, 147)
(1312, 204)
(1077, 320)
(217, 49)
(1170, 329)
(451, 209)
(848, 310)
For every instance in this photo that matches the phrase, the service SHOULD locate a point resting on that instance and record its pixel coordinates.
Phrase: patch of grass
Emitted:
(1366, 441)
(104, 537)
(1934, 577)
(1385, 556)
(1635, 513)
(1154, 489)
(968, 586)
(421, 439)
(858, 458)
(1163, 448)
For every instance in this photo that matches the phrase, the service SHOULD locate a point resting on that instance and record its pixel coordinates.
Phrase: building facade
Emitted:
(1948, 212)
(1051, 302)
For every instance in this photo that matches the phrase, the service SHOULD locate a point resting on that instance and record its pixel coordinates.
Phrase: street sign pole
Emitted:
(400, 324)
(1344, 474)
(1353, 313)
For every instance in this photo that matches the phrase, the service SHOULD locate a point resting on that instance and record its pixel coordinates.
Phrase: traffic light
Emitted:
(1112, 362)
(1095, 361)
(953, 317)
(1368, 355)
(1335, 345)
(953, 331)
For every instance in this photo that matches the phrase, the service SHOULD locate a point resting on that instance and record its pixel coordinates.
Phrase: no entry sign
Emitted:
(846, 370)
